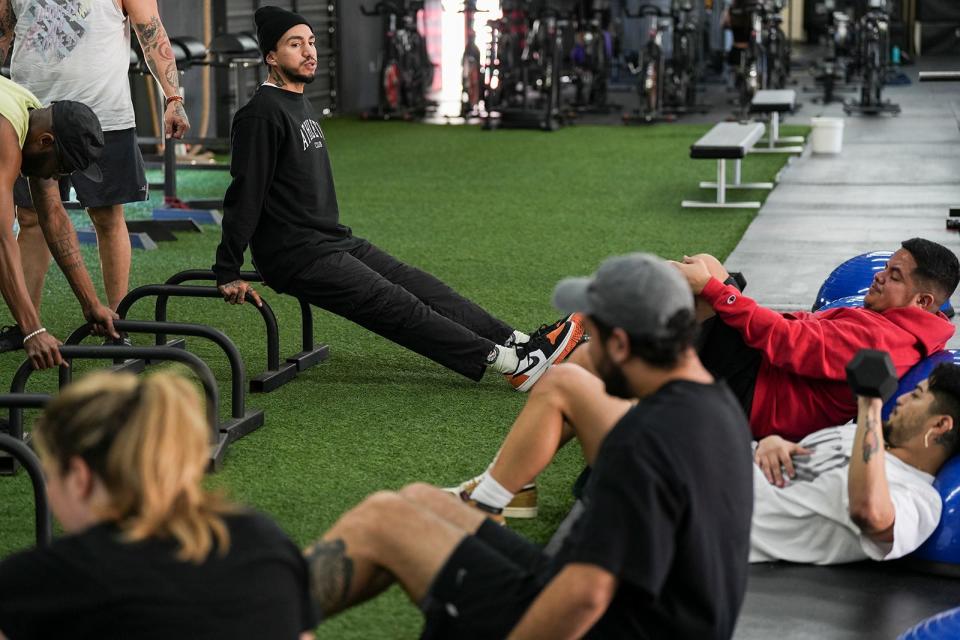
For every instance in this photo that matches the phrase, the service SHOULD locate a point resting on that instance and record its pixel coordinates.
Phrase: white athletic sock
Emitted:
(506, 360)
(519, 337)
(491, 493)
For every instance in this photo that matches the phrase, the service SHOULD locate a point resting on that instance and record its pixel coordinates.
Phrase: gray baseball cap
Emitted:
(638, 292)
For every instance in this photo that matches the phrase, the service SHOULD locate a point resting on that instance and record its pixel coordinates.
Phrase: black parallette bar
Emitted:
(114, 352)
(165, 291)
(238, 374)
(29, 461)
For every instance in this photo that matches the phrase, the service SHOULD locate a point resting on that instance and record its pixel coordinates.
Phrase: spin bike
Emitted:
(650, 67)
(471, 75)
(406, 71)
(776, 47)
(751, 70)
(527, 91)
(591, 56)
(681, 70)
(873, 40)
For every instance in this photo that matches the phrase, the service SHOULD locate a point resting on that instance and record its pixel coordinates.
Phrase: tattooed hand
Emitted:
(175, 122)
(236, 292)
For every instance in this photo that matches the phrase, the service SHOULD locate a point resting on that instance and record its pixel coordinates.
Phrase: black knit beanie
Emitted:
(272, 23)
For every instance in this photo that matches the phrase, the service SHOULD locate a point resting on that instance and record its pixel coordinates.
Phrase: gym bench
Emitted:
(276, 374)
(310, 354)
(727, 141)
(242, 421)
(21, 455)
(775, 102)
(218, 439)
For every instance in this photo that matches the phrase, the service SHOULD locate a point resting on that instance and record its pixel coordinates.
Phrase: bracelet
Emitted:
(174, 98)
(34, 334)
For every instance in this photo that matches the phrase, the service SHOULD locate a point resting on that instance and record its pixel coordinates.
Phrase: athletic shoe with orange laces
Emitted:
(545, 349)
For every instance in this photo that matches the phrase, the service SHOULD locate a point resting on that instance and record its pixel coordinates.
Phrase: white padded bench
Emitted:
(727, 141)
(775, 102)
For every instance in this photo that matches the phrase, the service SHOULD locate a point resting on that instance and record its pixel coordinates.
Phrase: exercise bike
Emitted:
(406, 71)
(471, 65)
(873, 40)
(776, 46)
(650, 67)
(527, 91)
(680, 94)
(591, 55)
(751, 69)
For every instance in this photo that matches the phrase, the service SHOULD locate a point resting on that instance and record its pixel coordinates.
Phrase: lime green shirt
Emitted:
(15, 105)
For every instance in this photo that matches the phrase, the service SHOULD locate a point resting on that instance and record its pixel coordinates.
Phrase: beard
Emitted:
(613, 380)
(295, 76)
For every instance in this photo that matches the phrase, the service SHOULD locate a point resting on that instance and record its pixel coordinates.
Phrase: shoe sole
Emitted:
(569, 342)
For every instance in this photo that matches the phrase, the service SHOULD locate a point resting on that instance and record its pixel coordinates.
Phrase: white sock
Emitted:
(506, 360)
(491, 493)
(519, 337)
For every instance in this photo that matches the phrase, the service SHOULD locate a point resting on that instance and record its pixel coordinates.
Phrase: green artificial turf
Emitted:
(500, 216)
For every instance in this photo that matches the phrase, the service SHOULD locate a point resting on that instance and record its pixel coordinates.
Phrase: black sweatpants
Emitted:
(401, 303)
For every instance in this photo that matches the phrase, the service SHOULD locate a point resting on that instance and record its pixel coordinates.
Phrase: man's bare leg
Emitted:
(568, 401)
(405, 537)
(113, 244)
(703, 310)
(34, 254)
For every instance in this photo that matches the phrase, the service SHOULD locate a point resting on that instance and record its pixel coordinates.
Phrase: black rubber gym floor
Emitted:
(863, 600)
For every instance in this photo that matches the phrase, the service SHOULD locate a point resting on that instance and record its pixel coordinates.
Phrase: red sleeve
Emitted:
(799, 342)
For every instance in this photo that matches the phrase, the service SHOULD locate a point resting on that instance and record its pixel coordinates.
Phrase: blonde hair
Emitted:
(147, 440)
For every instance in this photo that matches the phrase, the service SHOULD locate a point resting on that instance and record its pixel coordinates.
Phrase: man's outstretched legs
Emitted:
(568, 402)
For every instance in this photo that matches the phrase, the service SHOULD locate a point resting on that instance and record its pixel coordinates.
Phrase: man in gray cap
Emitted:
(658, 547)
(45, 142)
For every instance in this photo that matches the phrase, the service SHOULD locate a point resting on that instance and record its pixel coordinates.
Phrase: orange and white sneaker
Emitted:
(545, 347)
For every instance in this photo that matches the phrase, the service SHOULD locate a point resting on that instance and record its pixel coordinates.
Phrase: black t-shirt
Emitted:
(93, 585)
(281, 200)
(667, 510)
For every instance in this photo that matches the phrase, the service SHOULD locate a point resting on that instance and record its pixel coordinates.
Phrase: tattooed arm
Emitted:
(61, 237)
(871, 507)
(7, 23)
(158, 55)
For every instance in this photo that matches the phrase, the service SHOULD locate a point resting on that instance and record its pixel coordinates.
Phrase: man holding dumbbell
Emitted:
(787, 369)
(858, 491)
(81, 51)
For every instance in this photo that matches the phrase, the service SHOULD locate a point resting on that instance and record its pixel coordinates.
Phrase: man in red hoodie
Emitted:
(788, 369)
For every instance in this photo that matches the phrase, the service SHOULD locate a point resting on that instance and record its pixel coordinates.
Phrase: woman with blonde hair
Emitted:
(148, 552)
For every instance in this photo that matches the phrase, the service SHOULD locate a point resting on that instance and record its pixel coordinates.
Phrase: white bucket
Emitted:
(827, 135)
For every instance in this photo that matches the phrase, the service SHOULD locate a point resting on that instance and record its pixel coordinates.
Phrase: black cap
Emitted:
(272, 23)
(78, 139)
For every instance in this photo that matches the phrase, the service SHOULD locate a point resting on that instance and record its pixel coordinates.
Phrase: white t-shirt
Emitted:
(808, 520)
(75, 50)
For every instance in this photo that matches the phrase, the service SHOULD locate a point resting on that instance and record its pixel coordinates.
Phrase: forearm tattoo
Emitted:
(157, 51)
(331, 573)
(871, 441)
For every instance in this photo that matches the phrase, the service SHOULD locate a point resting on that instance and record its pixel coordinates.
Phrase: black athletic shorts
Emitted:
(485, 587)
(727, 357)
(124, 177)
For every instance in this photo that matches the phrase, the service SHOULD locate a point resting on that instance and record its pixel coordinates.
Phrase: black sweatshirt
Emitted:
(281, 200)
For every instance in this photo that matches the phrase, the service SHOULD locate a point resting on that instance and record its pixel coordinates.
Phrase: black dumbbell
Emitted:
(871, 373)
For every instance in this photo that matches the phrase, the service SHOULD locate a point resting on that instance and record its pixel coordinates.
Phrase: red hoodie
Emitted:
(802, 383)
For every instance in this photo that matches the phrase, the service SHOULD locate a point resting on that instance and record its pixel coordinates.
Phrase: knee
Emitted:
(107, 219)
(418, 491)
(716, 268)
(561, 381)
(27, 219)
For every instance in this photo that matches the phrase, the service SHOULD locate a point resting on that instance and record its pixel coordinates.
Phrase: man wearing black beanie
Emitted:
(282, 203)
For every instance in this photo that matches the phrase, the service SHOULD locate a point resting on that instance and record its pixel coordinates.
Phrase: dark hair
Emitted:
(944, 384)
(662, 352)
(937, 267)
